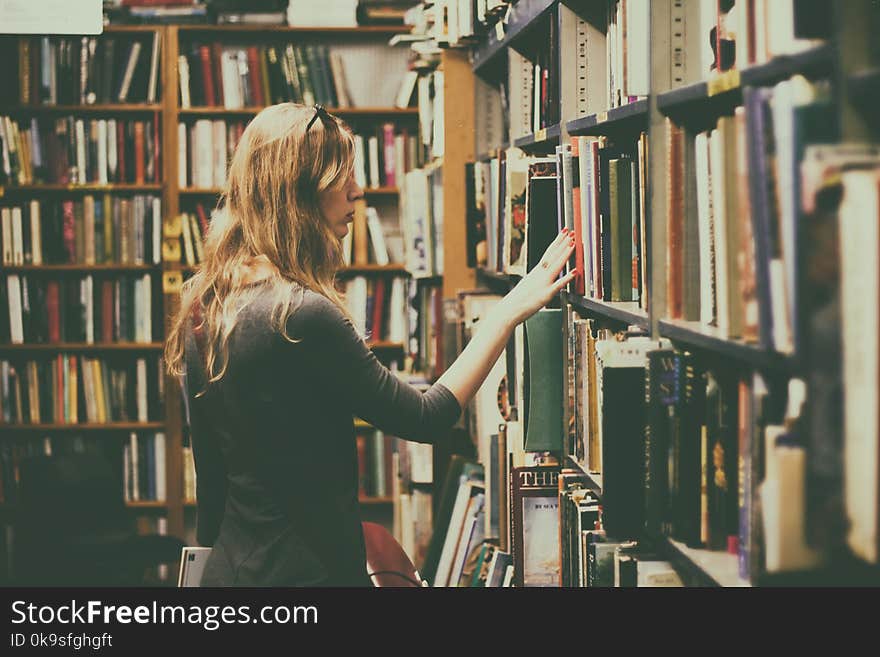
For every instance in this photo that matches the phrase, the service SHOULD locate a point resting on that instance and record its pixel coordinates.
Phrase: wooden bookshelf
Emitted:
(113, 108)
(216, 191)
(365, 270)
(57, 269)
(108, 426)
(628, 118)
(85, 188)
(624, 312)
(376, 501)
(380, 345)
(105, 347)
(488, 54)
(341, 111)
(371, 30)
(697, 336)
(543, 141)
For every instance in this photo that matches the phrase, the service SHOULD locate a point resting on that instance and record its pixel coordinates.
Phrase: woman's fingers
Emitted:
(565, 280)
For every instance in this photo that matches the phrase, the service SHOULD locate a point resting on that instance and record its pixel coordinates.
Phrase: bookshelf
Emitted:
(842, 69)
(166, 113)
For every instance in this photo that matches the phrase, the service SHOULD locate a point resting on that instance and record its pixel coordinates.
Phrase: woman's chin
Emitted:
(342, 231)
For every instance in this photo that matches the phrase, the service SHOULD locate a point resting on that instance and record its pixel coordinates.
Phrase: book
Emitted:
(535, 525)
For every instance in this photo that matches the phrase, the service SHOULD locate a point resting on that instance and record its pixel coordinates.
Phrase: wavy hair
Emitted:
(268, 207)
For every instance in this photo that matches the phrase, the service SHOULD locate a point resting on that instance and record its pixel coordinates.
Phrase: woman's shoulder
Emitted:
(313, 313)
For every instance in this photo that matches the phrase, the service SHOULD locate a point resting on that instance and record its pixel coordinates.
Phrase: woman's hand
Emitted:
(541, 284)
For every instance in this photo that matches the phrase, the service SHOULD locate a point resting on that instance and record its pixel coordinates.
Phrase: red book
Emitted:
(120, 151)
(253, 57)
(579, 286)
(207, 75)
(139, 152)
(378, 303)
(157, 149)
(216, 54)
(107, 311)
(52, 311)
(388, 134)
(68, 230)
(203, 218)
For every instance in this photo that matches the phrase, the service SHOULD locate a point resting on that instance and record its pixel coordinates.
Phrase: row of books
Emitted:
(374, 464)
(74, 388)
(142, 461)
(598, 190)
(143, 474)
(370, 241)
(533, 86)
(381, 159)
(80, 151)
(421, 219)
(426, 343)
(748, 32)
(110, 68)
(255, 76)
(88, 230)
(185, 237)
(84, 309)
(378, 307)
(204, 150)
(458, 22)
(733, 266)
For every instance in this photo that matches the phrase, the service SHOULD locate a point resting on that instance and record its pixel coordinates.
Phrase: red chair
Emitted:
(387, 563)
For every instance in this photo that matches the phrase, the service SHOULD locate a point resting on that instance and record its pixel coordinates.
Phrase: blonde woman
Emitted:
(276, 370)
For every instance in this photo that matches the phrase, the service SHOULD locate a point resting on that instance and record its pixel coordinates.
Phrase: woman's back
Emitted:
(276, 456)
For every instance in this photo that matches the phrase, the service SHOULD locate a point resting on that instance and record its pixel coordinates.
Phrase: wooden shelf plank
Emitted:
(341, 111)
(527, 15)
(545, 140)
(376, 500)
(385, 346)
(81, 347)
(722, 92)
(108, 108)
(109, 426)
(697, 336)
(40, 188)
(77, 268)
(621, 311)
(354, 270)
(298, 30)
(632, 117)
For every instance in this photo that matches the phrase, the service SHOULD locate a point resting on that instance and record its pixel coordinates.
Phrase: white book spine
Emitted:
(129, 71)
(112, 151)
(373, 146)
(704, 213)
(89, 303)
(154, 68)
(377, 236)
(219, 144)
(17, 237)
(360, 171)
(16, 328)
(142, 390)
(183, 72)
(36, 233)
(156, 207)
(102, 152)
(719, 231)
(135, 478)
(126, 471)
(6, 220)
(182, 168)
(203, 153)
(159, 451)
(81, 176)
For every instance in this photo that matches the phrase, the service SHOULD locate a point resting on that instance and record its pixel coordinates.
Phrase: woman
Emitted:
(276, 370)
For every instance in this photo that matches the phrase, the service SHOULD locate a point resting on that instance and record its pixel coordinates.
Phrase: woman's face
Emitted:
(337, 206)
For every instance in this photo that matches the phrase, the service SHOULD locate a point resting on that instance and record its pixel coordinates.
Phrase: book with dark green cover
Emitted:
(621, 220)
(543, 382)
(662, 391)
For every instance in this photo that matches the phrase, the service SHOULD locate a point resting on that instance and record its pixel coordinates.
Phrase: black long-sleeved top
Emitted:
(275, 449)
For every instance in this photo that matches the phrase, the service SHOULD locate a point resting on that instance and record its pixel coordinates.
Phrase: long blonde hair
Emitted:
(269, 207)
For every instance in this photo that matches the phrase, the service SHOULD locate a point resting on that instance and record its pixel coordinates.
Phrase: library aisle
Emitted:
(698, 407)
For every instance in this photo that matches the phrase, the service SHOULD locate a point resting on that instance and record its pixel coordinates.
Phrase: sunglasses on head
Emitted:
(319, 112)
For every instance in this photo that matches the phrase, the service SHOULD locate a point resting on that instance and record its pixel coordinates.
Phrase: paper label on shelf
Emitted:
(723, 82)
(541, 135)
(171, 250)
(601, 117)
(172, 282)
(172, 226)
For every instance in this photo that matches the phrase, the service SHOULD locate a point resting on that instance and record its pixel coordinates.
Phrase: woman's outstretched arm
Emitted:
(465, 376)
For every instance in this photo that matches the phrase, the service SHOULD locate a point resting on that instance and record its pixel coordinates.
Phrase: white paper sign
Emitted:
(50, 17)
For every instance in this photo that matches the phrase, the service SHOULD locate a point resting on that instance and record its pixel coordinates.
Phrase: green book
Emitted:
(542, 382)
(620, 197)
